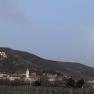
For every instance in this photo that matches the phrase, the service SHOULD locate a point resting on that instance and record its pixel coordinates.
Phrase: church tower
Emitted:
(27, 74)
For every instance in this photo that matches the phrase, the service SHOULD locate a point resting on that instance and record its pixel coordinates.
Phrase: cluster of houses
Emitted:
(30, 77)
(19, 76)
(33, 77)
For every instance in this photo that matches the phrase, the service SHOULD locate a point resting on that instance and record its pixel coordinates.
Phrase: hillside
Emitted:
(18, 61)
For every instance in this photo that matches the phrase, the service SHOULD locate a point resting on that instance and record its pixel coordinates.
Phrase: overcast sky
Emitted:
(60, 30)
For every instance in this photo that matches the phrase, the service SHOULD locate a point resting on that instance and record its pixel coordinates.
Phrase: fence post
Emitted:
(44, 90)
(71, 91)
(60, 90)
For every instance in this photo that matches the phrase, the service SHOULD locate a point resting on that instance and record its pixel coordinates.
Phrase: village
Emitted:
(31, 77)
(46, 79)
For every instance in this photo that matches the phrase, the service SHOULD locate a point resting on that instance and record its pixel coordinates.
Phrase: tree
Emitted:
(80, 83)
(70, 82)
(37, 83)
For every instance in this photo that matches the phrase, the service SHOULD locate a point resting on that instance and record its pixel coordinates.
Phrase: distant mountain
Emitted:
(18, 61)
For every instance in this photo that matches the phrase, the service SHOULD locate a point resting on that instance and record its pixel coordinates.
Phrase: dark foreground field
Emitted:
(42, 90)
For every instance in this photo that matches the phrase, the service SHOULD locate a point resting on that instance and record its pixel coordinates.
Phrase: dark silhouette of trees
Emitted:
(80, 83)
(4, 82)
(70, 82)
(37, 83)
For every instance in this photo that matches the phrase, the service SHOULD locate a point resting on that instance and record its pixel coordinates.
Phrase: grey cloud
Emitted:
(9, 11)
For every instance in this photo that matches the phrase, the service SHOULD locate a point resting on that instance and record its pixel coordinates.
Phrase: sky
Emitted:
(61, 30)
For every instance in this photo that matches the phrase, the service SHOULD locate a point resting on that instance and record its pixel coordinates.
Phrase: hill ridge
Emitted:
(21, 60)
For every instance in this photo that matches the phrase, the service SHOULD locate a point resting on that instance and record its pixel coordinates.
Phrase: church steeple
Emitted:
(27, 74)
